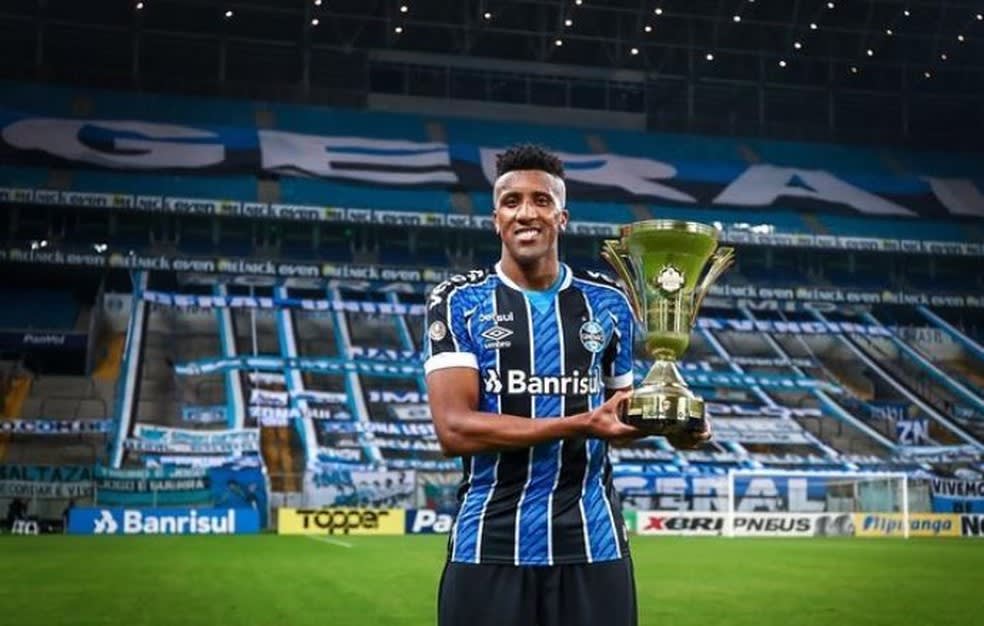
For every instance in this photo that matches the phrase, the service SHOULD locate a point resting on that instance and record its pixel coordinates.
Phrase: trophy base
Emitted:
(663, 405)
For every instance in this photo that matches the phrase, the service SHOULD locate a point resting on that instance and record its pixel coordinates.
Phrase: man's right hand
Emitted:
(604, 423)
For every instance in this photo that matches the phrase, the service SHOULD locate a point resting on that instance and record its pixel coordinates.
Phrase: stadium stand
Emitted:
(310, 375)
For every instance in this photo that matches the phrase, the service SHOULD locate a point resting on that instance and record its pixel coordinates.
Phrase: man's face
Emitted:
(529, 214)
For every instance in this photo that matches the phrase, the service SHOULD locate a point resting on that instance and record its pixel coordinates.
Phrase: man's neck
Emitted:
(537, 276)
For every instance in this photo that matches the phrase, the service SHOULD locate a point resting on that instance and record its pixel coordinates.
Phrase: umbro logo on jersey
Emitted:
(496, 336)
(497, 333)
(519, 382)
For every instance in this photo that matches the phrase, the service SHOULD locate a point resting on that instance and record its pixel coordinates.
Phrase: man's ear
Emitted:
(565, 217)
(495, 220)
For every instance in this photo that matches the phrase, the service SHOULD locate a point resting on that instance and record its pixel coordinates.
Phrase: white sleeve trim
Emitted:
(450, 359)
(617, 382)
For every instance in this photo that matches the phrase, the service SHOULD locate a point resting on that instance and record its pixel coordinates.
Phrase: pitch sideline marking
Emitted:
(334, 542)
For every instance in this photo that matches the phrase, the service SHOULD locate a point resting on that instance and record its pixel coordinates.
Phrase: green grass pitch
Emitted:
(300, 581)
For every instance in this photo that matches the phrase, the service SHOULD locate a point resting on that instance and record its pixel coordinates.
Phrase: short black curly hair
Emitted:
(528, 156)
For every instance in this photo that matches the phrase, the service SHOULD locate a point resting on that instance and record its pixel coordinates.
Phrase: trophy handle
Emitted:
(614, 251)
(723, 258)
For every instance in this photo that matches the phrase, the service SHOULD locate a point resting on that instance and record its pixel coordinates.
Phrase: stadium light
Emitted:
(228, 14)
(487, 15)
(813, 26)
(797, 45)
(404, 8)
(782, 63)
(139, 5)
(870, 52)
(568, 22)
(634, 51)
(830, 5)
(398, 30)
(854, 69)
(960, 38)
(317, 3)
(980, 17)
(648, 28)
(658, 11)
(558, 42)
(943, 56)
(315, 21)
(736, 18)
(888, 31)
(709, 56)
(928, 74)
(578, 2)
(906, 13)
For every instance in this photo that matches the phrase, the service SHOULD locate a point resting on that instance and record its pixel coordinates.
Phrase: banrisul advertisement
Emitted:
(225, 486)
(152, 521)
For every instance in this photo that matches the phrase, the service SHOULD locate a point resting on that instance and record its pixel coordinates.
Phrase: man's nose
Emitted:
(526, 210)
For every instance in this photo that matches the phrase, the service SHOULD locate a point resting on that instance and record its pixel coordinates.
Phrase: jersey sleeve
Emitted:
(617, 369)
(447, 341)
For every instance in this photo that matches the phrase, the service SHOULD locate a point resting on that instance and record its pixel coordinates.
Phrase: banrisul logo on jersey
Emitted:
(520, 382)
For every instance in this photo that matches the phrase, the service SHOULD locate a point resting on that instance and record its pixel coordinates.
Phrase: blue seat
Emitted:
(42, 309)
(900, 228)
(329, 193)
(242, 188)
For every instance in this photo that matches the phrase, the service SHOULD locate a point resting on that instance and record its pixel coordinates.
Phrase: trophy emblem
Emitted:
(659, 262)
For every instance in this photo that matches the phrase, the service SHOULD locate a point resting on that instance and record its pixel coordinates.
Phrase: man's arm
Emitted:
(464, 430)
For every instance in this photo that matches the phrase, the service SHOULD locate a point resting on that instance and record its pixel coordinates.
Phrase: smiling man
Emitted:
(520, 360)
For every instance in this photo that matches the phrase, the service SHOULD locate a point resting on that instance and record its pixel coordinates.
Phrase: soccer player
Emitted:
(519, 360)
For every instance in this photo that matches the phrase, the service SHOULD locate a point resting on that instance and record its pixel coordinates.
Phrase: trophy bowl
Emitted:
(661, 263)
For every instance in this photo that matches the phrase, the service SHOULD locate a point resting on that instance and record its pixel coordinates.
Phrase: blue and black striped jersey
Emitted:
(552, 503)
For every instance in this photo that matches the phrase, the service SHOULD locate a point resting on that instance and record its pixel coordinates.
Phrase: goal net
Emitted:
(816, 504)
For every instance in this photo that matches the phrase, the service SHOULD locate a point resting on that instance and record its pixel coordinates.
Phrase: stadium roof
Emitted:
(920, 61)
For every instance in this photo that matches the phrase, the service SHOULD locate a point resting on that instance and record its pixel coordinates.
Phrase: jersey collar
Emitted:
(508, 282)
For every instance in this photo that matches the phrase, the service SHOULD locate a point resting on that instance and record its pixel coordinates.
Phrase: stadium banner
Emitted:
(420, 280)
(912, 432)
(45, 481)
(341, 521)
(920, 525)
(410, 412)
(164, 439)
(385, 354)
(43, 340)
(338, 365)
(745, 524)
(698, 492)
(801, 327)
(332, 365)
(204, 414)
(231, 485)
(428, 522)
(760, 430)
(264, 397)
(426, 465)
(43, 426)
(397, 429)
(279, 416)
(972, 525)
(332, 486)
(438, 491)
(152, 521)
(888, 410)
(954, 495)
(144, 145)
(201, 301)
(386, 396)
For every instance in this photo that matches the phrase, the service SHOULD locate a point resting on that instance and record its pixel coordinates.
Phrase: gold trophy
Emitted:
(660, 262)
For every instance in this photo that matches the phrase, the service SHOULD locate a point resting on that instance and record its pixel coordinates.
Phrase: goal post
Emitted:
(768, 502)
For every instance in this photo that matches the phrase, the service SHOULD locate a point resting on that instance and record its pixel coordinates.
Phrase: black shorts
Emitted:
(595, 594)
